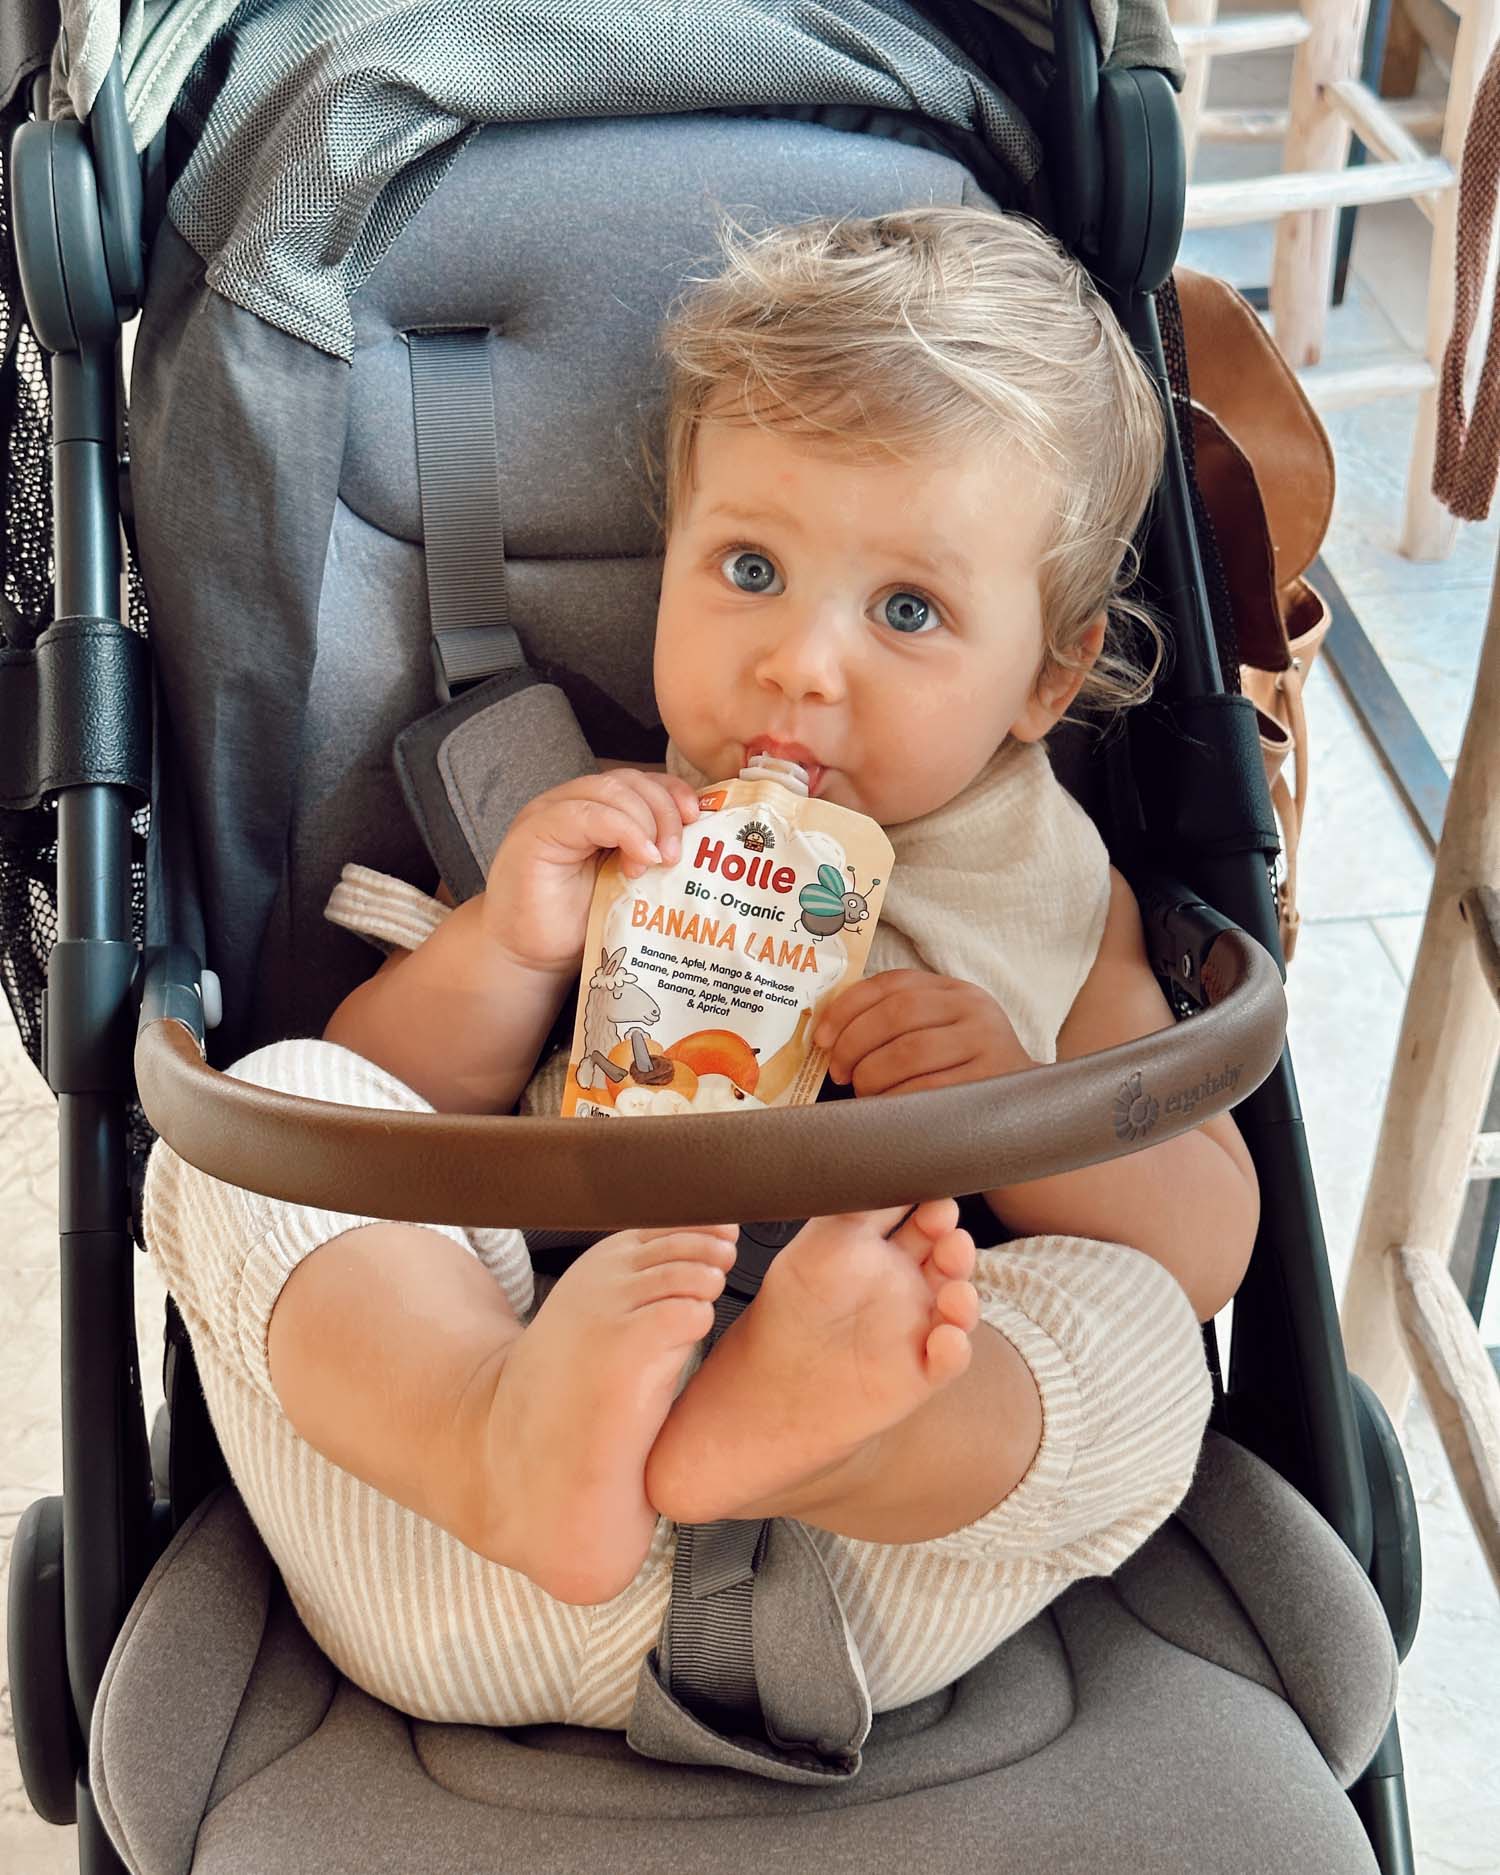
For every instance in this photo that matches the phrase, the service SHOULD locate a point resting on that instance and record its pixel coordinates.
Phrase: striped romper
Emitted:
(420, 1621)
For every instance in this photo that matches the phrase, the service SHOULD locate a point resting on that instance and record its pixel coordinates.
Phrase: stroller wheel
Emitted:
(47, 1741)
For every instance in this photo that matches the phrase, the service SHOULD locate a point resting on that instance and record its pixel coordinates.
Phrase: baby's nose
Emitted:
(807, 659)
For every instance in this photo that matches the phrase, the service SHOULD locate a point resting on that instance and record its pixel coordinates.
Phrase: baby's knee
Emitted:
(1112, 1338)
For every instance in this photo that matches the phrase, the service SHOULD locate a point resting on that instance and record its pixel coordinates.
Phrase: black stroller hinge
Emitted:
(1181, 932)
(77, 223)
(1116, 158)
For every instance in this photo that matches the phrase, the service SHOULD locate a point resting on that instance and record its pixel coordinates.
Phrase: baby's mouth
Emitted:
(790, 752)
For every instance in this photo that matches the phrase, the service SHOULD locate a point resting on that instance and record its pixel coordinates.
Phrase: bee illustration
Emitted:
(827, 907)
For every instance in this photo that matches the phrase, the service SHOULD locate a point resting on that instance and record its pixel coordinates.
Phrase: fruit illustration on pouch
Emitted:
(830, 906)
(662, 1071)
(718, 1094)
(718, 1051)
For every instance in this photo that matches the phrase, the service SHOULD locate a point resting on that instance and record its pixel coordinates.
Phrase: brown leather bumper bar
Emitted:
(772, 1163)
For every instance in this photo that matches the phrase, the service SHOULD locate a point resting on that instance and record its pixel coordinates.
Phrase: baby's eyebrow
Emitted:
(735, 513)
(953, 567)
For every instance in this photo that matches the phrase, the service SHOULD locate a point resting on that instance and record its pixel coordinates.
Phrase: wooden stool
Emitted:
(1329, 103)
(1401, 1306)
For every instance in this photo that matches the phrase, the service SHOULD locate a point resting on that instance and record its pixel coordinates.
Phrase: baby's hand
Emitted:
(904, 1030)
(536, 899)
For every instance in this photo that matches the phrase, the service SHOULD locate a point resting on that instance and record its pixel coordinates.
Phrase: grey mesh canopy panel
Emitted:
(333, 122)
(160, 41)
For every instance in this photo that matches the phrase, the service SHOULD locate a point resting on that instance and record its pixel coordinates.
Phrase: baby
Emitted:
(905, 459)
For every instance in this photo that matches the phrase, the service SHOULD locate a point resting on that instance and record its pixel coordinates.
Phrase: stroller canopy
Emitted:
(320, 129)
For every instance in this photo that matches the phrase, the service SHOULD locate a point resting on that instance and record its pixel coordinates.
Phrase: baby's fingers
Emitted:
(600, 826)
(867, 994)
(669, 810)
(669, 801)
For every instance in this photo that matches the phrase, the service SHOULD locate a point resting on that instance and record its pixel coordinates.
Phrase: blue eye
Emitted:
(908, 612)
(750, 571)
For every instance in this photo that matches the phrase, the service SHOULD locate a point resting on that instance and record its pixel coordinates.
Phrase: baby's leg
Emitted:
(854, 1337)
(1117, 1356)
(861, 1392)
(582, 1395)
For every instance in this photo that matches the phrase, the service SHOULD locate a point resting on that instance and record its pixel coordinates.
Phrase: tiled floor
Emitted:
(1366, 874)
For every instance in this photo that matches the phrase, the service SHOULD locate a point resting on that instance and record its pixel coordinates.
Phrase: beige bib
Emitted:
(1006, 886)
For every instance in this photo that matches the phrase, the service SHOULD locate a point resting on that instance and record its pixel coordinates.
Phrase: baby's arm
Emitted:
(462, 1018)
(1192, 1203)
(457, 1019)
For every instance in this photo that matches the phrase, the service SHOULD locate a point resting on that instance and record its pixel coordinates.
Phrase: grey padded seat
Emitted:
(566, 241)
(1199, 1712)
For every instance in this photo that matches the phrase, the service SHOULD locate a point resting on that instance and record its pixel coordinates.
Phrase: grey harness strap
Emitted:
(463, 534)
(706, 1649)
(501, 734)
(754, 1668)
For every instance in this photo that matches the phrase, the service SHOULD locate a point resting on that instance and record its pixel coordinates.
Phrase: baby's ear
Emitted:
(1056, 685)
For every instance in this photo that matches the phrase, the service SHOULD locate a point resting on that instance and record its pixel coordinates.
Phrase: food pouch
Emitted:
(704, 980)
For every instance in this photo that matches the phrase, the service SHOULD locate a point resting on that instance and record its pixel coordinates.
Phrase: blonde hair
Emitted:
(968, 329)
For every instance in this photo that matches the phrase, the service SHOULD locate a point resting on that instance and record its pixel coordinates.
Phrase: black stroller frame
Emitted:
(76, 198)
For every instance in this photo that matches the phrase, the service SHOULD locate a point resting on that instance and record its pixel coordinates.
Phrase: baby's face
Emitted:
(880, 623)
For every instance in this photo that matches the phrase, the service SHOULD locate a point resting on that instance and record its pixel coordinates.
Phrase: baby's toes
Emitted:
(930, 1221)
(709, 1247)
(952, 1260)
(949, 1351)
(702, 1281)
(958, 1304)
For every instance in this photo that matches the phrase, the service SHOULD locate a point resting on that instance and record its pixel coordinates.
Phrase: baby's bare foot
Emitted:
(583, 1394)
(850, 1333)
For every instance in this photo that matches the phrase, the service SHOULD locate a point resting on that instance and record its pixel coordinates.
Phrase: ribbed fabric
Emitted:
(390, 913)
(1006, 885)
(409, 1613)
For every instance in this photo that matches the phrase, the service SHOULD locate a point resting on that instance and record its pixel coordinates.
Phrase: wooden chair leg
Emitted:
(1195, 86)
(1403, 55)
(1428, 529)
(1317, 139)
(1445, 1058)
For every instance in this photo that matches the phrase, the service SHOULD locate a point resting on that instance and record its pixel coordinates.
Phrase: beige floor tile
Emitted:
(1401, 936)
(1344, 1001)
(1448, 1708)
(1361, 855)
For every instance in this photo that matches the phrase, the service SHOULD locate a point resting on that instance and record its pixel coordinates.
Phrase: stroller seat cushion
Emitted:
(1283, 1564)
(1185, 1760)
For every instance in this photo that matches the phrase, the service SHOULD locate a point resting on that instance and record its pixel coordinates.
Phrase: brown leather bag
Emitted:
(1265, 470)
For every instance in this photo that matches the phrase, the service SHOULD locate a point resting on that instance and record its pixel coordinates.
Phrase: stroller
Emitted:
(289, 192)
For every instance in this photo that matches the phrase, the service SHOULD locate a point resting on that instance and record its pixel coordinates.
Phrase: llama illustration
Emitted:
(618, 1007)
